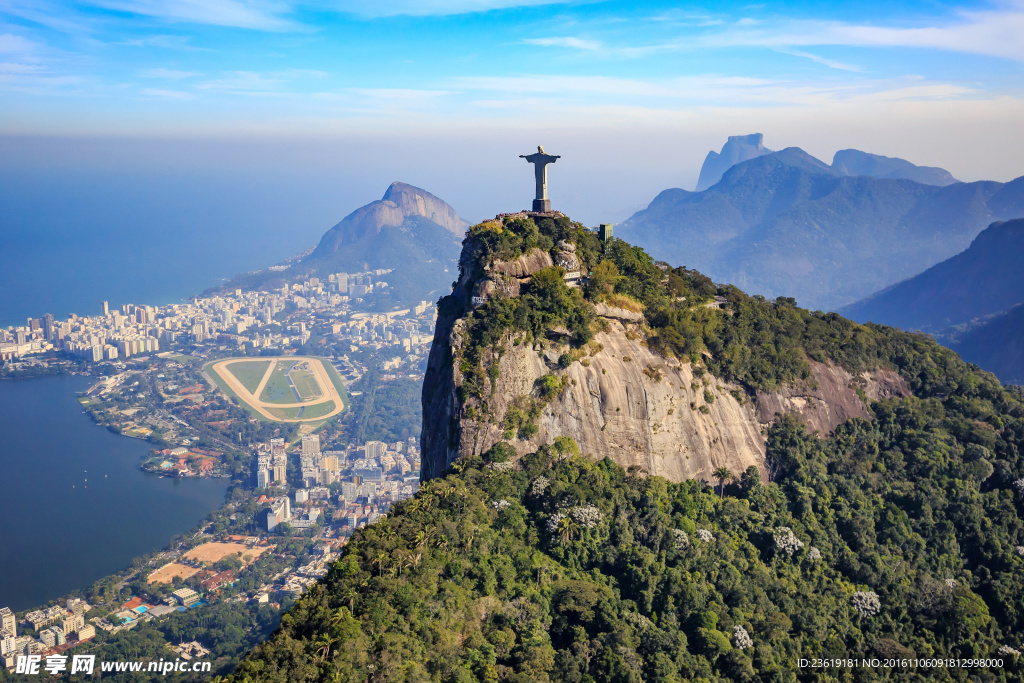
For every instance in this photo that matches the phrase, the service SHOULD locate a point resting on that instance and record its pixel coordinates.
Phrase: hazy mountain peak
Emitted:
(413, 201)
(400, 203)
(737, 149)
(854, 162)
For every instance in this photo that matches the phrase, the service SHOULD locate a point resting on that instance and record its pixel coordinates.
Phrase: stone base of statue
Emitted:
(542, 206)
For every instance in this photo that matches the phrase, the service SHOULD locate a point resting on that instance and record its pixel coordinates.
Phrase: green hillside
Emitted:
(901, 537)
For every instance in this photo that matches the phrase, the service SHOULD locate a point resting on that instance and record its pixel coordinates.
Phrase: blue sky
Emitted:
(636, 93)
(276, 65)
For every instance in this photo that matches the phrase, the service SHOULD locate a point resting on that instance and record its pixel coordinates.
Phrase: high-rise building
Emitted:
(280, 470)
(264, 478)
(280, 511)
(48, 637)
(106, 309)
(48, 326)
(72, 624)
(77, 606)
(8, 624)
(311, 446)
(375, 449)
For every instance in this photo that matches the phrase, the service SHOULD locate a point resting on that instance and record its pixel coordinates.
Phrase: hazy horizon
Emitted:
(265, 123)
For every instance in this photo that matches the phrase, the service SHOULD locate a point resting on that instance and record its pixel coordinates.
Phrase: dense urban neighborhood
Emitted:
(300, 486)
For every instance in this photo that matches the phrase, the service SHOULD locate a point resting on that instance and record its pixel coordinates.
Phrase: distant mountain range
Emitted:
(971, 302)
(408, 230)
(848, 162)
(787, 224)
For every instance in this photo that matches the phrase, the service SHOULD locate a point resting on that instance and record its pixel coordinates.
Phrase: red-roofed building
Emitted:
(217, 580)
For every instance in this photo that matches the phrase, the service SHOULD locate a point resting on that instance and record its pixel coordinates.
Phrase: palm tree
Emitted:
(567, 528)
(324, 642)
(350, 594)
(722, 474)
(379, 560)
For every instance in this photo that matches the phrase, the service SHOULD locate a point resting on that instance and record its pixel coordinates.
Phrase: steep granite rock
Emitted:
(632, 405)
(618, 398)
(831, 396)
(736, 149)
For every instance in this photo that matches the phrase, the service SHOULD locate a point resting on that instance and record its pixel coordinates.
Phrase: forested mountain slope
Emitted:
(898, 535)
(970, 302)
(984, 279)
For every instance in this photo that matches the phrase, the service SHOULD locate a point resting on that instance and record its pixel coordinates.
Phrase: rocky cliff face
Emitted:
(736, 149)
(620, 399)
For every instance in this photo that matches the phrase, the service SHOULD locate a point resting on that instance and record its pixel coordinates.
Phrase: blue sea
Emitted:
(84, 222)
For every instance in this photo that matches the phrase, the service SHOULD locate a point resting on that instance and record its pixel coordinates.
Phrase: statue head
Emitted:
(540, 148)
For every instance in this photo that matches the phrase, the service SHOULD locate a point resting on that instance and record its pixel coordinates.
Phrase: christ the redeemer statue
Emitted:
(540, 162)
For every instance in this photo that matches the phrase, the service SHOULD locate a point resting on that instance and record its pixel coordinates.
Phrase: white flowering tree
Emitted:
(741, 640)
(786, 541)
(866, 603)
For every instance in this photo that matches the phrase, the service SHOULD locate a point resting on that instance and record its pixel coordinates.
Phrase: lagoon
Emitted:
(74, 505)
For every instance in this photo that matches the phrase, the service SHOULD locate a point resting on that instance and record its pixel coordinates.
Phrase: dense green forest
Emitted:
(895, 538)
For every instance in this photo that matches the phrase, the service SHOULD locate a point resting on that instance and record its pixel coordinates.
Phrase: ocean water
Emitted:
(76, 506)
(71, 240)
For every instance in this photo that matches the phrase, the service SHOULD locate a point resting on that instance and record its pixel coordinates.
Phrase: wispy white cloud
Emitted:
(19, 68)
(259, 84)
(603, 85)
(10, 43)
(262, 15)
(48, 14)
(378, 8)
(564, 41)
(831, 63)
(168, 74)
(666, 94)
(245, 83)
(993, 32)
(170, 42)
(162, 94)
(402, 94)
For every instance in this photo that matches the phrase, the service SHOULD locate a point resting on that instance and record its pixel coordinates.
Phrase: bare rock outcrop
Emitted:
(831, 397)
(629, 404)
(626, 402)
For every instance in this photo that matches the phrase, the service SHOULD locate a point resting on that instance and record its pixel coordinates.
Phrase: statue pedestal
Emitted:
(542, 206)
